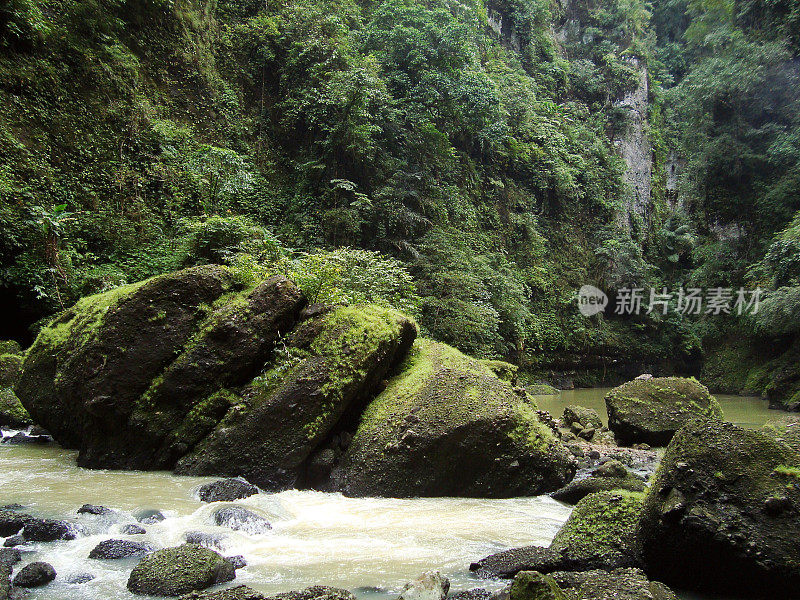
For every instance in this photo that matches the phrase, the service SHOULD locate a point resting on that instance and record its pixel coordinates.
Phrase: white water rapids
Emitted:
(370, 546)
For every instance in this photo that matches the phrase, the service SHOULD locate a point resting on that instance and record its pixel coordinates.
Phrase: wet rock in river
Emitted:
(91, 509)
(317, 592)
(79, 578)
(10, 556)
(227, 490)
(118, 549)
(506, 564)
(239, 518)
(178, 571)
(431, 585)
(611, 475)
(238, 561)
(149, 516)
(201, 538)
(14, 541)
(132, 529)
(240, 592)
(48, 530)
(36, 574)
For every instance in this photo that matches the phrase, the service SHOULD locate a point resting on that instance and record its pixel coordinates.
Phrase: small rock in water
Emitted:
(474, 594)
(35, 574)
(239, 518)
(428, 586)
(116, 549)
(227, 490)
(132, 529)
(13, 541)
(240, 592)
(48, 530)
(149, 516)
(201, 538)
(10, 556)
(91, 509)
(79, 578)
(177, 571)
(14, 506)
(237, 561)
(317, 592)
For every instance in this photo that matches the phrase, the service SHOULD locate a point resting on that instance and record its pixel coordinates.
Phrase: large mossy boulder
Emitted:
(178, 571)
(650, 411)
(329, 370)
(447, 425)
(10, 369)
(601, 532)
(119, 374)
(723, 513)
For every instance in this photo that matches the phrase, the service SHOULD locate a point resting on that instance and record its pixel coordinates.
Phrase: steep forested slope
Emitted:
(500, 154)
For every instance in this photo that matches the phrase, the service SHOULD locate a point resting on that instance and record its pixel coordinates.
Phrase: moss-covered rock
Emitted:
(446, 425)
(619, 584)
(650, 411)
(600, 532)
(609, 476)
(10, 369)
(12, 413)
(531, 585)
(585, 417)
(177, 571)
(10, 347)
(133, 377)
(785, 429)
(723, 512)
(331, 366)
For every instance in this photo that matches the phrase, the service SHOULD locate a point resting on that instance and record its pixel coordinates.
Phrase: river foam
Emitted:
(369, 545)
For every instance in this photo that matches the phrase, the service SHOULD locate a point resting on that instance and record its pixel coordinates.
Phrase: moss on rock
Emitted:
(12, 413)
(650, 411)
(332, 366)
(178, 571)
(10, 369)
(447, 425)
(10, 347)
(531, 585)
(723, 512)
(601, 531)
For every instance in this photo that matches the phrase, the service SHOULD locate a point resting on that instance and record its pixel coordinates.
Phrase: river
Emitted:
(371, 546)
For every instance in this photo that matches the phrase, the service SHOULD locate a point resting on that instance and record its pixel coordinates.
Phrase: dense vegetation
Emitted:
(409, 152)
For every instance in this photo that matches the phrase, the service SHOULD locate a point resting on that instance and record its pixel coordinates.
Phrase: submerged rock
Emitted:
(149, 516)
(239, 518)
(201, 538)
(651, 411)
(80, 578)
(723, 513)
(227, 490)
(91, 509)
(448, 426)
(132, 529)
(35, 574)
(431, 585)
(178, 571)
(117, 549)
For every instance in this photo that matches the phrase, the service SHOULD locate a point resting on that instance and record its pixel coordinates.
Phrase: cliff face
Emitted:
(635, 148)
